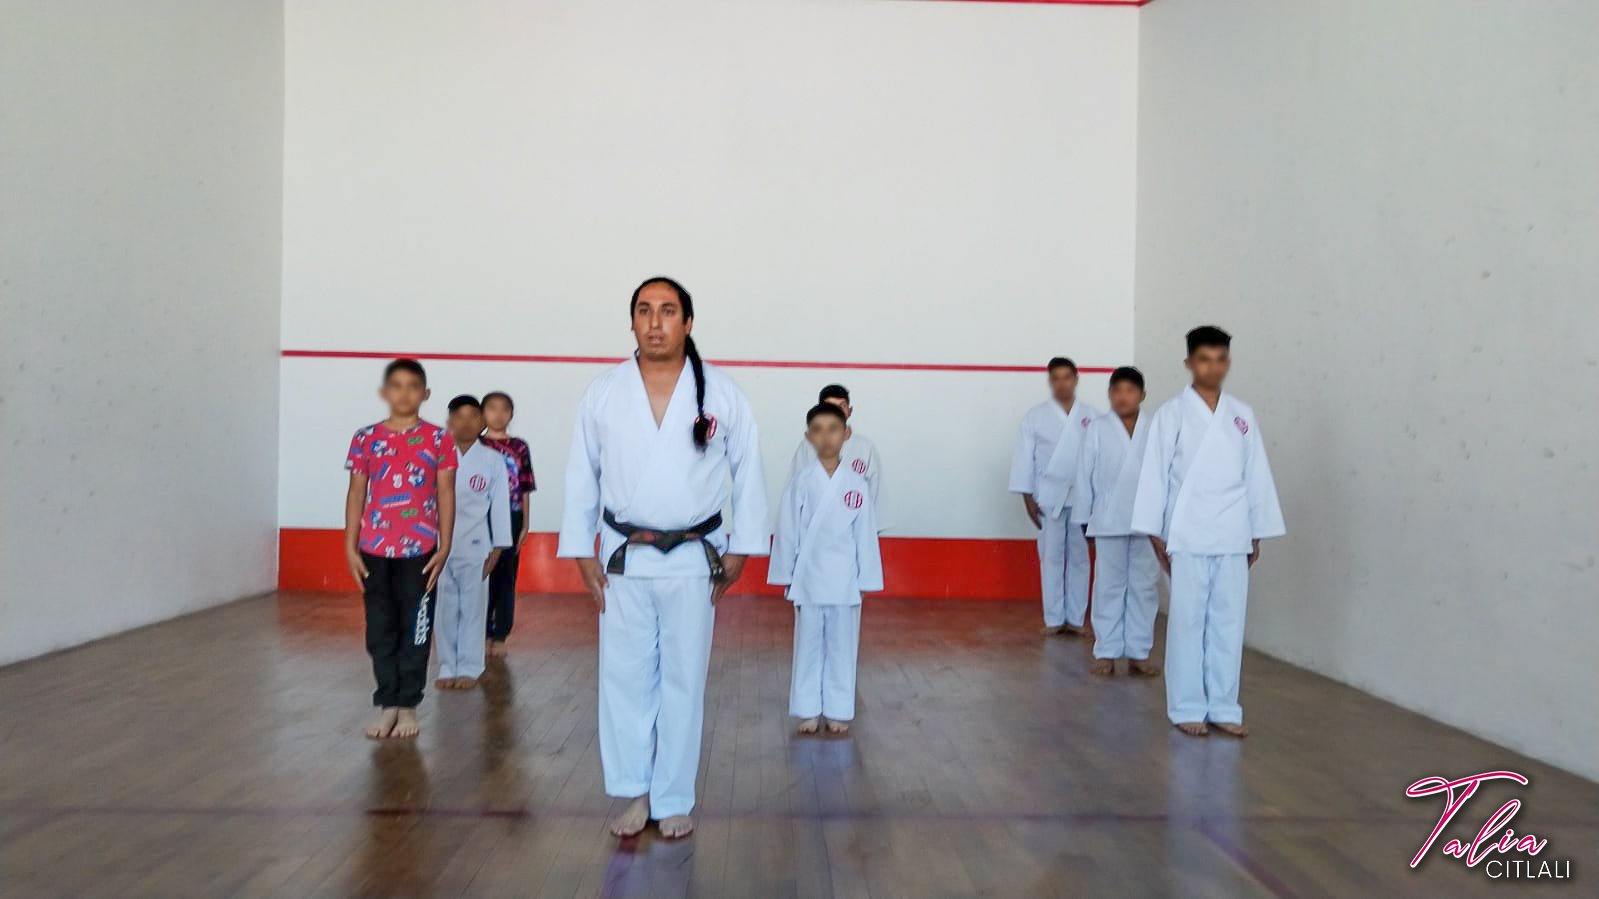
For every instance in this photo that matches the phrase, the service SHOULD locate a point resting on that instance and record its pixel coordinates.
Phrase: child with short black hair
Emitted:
(498, 409)
(482, 531)
(399, 515)
(825, 552)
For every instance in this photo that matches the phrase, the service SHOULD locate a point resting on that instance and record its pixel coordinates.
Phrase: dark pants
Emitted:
(399, 628)
(502, 587)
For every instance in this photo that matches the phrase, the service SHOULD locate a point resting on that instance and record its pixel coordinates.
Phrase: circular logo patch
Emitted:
(853, 499)
(478, 483)
(859, 466)
(1243, 426)
(710, 426)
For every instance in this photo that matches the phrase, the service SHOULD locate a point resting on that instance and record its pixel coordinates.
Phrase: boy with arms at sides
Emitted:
(1043, 470)
(497, 412)
(825, 552)
(482, 530)
(399, 514)
(858, 454)
(1125, 570)
(1206, 499)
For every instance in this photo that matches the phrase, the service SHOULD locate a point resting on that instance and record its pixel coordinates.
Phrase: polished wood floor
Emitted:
(218, 755)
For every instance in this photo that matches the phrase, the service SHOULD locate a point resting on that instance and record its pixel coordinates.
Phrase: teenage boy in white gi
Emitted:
(825, 552)
(1125, 570)
(1043, 470)
(1206, 499)
(658, 439)
(482, 531)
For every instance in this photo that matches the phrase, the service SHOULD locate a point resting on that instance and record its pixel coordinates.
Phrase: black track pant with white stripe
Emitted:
(399, 628)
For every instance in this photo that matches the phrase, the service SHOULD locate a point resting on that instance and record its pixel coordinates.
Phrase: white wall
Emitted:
(1395, 209)
(140, 172)
(846, 180)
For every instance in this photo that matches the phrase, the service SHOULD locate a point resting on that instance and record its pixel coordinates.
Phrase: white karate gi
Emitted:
(1125, 568)
(655, 633)
(826, 553)
(860, 456)
(482, 522)
(1205, 488)
(1045, 465)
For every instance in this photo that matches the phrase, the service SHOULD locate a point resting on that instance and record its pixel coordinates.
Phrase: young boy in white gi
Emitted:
(1125, 569)
(1043, 470)
(482, 531)
(1206, 499)
(662, 442)
(858, 454)
(825, 552)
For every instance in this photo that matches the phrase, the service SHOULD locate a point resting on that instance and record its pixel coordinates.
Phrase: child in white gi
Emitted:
(1125, 570)
(482, 530)
(825, 552)
(1206, 498)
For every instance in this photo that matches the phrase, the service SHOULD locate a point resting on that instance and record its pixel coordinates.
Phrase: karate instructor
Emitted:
(656, 440)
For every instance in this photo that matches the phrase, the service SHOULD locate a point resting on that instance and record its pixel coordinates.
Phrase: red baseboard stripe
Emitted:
(913, 567)
(730, 363)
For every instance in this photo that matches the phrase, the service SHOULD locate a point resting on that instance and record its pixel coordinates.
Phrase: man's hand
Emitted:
(594, 581)
(1033, 512)
(732, 570)
(1161, 556)
(1255, 555)
(490, 562)
(435, 566)
(352, 558)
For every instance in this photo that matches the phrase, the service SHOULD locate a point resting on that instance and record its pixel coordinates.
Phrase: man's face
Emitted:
(658, 323)
(466, 423)
(826, 434)
(1209, 365)
(1063, 384)
(1125, 398)
(841, 403)
(404, 392)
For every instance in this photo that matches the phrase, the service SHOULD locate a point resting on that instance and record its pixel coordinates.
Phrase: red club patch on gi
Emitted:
(1243, 426)
(710, 426)
(859, 465)
(478, 483)
(853, 499)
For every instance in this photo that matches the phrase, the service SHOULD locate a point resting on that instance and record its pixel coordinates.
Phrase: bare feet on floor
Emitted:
(633, 819)
(1194, 728)
(496, 648)
(809, 725)
(1050, 630)
(384, 726)
(444, 683)
(465, 683)
(1143, 667)
(1103, 667)
(1231, 730)
(838, 727)
(405, 725)
(676, 827)
(1070, 631)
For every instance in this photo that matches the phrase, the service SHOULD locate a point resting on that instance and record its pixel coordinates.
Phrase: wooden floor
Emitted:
(218, 755)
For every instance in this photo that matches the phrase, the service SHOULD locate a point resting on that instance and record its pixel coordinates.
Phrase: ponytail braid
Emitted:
(702, 424)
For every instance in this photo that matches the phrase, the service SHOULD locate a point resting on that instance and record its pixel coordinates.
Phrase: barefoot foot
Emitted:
(465, 683)
(838, 727)
(384, 726)
(1231, 730)
(496, 648)
(1103, 667)
(677, 827)
(809, 725)
(1194, 728)
(405, 725)
(1143, 668)
(1070, 631)
(632, 819)
(1049, 630)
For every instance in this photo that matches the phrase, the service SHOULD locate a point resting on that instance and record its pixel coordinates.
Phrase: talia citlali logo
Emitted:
(1497, 848)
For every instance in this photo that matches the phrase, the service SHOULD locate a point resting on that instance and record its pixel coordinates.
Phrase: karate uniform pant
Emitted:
(462, 606)
(1205, 637)
(655, 649)
(502, 587)
(399, 617)
(826, 640)
(1063, 571)
(1125, 601)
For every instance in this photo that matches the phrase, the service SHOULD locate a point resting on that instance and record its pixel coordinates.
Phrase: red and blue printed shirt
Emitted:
(401, 519)
(518, 463)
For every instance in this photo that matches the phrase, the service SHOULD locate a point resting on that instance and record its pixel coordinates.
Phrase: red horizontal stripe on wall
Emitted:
(731, 363)
(1069, 2)
(913, 567)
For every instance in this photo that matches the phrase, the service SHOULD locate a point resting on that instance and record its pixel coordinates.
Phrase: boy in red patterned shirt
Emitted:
(398, 517)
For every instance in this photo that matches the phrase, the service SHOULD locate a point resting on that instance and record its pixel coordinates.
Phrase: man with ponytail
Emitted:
(657, 441)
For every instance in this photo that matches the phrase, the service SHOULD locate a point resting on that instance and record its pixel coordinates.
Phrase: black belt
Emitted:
(665, 541)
